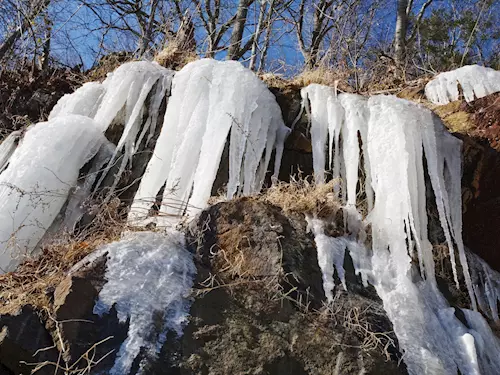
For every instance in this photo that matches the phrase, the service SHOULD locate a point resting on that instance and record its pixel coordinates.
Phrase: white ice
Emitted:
(394, 136)
(486, 282)
(35, 185)
(331, 252)
(120, 101)
(84, 101)
(475, 81)
(211, 102)
(148, 274)
(487, 343)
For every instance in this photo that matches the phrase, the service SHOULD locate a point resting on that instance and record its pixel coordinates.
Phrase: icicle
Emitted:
(123, 88)
(396, 135)
(487, 343)
(209, 100)
(7, 148)
(36, 184)
(487, 286)
(331, 252)
(314, 98)
(74, 210)
(476, 81)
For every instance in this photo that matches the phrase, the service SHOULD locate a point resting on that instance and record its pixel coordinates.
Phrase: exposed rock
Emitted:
(24, 343)
(78, 327)
(481, 199)
(258, 306)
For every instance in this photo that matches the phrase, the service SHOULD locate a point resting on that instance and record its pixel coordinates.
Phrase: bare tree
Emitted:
(401, 39)
(33, 9)
(236, 49)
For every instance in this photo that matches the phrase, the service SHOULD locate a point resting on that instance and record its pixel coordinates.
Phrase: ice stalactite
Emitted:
(331, 252)
(148, 274)
(38, 179)
(211, 102)
(474, 80)
(394, 138)
(81, 193)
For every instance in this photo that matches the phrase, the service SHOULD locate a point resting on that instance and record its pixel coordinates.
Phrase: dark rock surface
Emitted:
(258, 309)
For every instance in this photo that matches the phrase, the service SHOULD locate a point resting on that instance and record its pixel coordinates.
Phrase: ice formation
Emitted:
(211, 102)
(148, 273)
(38, 179)
(331, 252)
(393, 137)
(121, 100)
(475, 81)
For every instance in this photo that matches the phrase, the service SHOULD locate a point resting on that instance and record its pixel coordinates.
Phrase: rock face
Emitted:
(258, 305)
(258, 299)
(24, 343)
(258, 308)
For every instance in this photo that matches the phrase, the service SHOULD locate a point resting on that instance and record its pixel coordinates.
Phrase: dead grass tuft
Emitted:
(107, 64)
(303, 196)
(35, 280)
(321, 76)
(173, 56)
(324, 76)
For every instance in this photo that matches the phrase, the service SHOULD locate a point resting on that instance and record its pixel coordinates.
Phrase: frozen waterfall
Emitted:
(393, 136)
(211, 102)
(475, 82)
(38, 179)
(148, 273)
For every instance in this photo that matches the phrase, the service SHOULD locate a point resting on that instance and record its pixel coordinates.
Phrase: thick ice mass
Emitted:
(475, 82)
(120, 101)
(37, 181)
(148, 274)
(211, 102)
(393, 137)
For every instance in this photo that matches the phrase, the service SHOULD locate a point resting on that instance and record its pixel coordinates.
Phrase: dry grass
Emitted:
(360, 319)
(303, 196)
(174, 57)
(107, 64)
(321, 76)
(36, 278)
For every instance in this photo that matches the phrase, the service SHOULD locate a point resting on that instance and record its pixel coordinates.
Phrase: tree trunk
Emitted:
(400, 33)
(233, 52)
(258, 31)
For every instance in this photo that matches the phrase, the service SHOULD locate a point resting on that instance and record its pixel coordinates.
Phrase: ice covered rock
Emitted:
(35, 185)
(122, 99)
(149, 277)
(211, 101)
(395, 138)
(474, 80)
